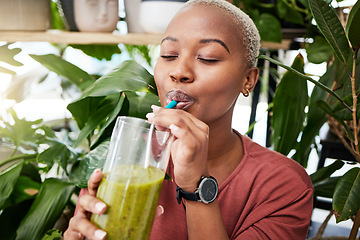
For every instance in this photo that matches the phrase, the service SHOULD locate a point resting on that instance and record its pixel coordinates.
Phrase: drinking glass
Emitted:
(133, 174)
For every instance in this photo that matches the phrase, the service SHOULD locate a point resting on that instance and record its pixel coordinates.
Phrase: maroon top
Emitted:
(267, 196)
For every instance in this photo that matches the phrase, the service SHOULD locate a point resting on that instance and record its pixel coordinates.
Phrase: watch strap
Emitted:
(186, 195)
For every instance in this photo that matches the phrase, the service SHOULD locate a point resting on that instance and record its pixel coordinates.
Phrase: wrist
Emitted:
(205, 192)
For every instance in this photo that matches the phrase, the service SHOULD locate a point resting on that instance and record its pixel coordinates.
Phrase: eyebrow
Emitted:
(203, 41)
(169, 39)
(217, 41)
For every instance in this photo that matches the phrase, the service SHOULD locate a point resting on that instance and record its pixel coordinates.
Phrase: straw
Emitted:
(172, 104)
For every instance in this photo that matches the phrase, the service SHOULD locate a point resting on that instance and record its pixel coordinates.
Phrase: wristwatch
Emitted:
(206, 191)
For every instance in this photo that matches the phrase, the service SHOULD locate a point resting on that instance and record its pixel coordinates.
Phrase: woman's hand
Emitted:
(80, 225)
(190, 149)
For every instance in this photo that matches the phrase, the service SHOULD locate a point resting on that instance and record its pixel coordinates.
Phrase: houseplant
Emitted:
(335, 100)
(31, 204)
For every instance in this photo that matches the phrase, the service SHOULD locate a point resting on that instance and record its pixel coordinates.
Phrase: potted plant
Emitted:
(31, 204)
(333, 100)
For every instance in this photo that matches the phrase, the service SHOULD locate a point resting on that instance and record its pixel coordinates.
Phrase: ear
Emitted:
(251, 79)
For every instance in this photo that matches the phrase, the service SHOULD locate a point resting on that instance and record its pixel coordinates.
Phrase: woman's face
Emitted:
(202, 63)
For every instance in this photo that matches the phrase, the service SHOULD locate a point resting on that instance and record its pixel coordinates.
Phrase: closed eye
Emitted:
(208, 60)
(168, 57)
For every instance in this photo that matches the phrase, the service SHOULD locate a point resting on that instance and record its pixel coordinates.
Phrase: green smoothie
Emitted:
(131, 196)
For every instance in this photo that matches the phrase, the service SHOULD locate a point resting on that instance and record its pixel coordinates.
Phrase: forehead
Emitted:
(205, 21)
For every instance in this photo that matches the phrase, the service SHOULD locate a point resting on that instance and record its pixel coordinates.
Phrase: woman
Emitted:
(207, 58)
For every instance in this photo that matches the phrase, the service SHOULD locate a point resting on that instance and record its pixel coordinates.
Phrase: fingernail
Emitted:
(97, 170)
(154, 107)
(100, 206)
(173, 127)
(100, 234)
(150, 115)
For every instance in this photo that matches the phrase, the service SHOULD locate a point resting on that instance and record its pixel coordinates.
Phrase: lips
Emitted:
(184, 100)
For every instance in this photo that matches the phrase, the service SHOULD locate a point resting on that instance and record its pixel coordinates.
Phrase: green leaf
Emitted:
(331, 28)
(82, 109)
(352, 26)
(8, 179)
(319, 51)
(106, 128)
(317, 83)
(98, 51)
(99, 116)
(52, 235)
(20, 131)
(167, 177)
(289, 14)
(56, 20)
(24, 189)
(347, 194)
(343, 83)
(11, 217)
(94, 159)
(315, 119)
(326, 107)
(66, 69)
(343, 113)
(7, 55)
(326, 172)
(290, 100)
(8, 71)
(135, 51)
(140, 103)
(30, 170)
(58, 152)
(46, 209)
(269, 28)
(128, 76)
(326, 188)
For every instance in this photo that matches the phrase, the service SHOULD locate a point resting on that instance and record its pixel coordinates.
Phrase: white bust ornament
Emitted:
(96, 15)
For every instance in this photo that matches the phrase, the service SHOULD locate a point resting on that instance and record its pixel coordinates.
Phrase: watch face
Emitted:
(208, 190)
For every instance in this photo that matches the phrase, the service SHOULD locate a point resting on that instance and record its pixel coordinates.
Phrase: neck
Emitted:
(225, 149)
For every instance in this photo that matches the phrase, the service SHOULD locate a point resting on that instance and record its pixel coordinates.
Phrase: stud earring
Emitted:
(247, 93)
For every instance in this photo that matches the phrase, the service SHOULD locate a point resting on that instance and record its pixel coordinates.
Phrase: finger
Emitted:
(166, 117)
(73, 235)
(70, 234)
(86, 228)
(159, 211)
(94, 181)
(90, 204)
(185, 127)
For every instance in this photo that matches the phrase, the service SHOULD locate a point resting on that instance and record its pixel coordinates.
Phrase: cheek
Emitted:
(160, 81)
(225, 95)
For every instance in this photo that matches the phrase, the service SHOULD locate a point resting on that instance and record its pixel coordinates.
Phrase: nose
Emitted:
(102, 10)
(182, 72)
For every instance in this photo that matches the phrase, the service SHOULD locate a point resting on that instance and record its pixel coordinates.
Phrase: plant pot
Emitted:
(31, 15)
(96, 16)
(132, 13)
(156, 15)
(66, 9)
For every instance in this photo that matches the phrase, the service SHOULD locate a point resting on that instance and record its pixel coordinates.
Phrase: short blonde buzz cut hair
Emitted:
(251, 36)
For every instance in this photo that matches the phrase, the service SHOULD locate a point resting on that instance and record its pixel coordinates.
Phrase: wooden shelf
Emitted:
(56, 36)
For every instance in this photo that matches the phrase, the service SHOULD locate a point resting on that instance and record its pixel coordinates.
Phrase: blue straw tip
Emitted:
(172, 104)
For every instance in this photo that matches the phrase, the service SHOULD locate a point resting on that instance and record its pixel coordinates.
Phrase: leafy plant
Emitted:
(333, 100)
(271, 16)
(33, 202)
(7, 55)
